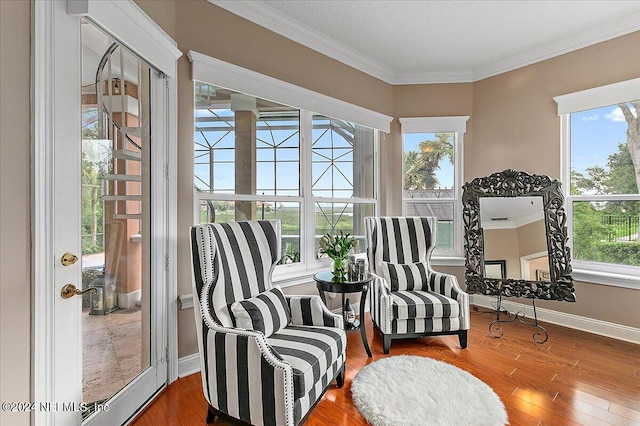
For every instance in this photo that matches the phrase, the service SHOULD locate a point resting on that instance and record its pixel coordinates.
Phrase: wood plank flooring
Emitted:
(575, 378)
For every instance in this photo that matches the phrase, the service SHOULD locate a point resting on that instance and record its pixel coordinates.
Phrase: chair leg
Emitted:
(386, 343)
(462, 335)
(340, 378)
(211, 414)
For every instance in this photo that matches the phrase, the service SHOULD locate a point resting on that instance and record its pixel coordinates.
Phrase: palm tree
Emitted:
(420, 167)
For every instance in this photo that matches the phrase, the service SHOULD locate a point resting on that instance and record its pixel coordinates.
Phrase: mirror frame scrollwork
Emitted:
(513, 183)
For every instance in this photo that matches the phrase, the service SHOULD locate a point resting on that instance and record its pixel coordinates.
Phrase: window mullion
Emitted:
(458, 179)
(307, 227)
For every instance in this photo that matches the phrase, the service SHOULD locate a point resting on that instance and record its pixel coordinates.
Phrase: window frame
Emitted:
(222, 74)
(458, 126)
(307, 202)
(615, 275)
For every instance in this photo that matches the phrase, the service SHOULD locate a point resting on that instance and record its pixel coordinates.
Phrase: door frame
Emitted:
(127, 23)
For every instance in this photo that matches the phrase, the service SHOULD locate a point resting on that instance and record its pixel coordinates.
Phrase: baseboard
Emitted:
(129, 300)
(590, 325)
(188, 365)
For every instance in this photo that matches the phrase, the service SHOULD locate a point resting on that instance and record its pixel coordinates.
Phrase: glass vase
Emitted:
(340, 267)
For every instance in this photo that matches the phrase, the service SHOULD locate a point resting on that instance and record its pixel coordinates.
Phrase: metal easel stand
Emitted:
(496, 331)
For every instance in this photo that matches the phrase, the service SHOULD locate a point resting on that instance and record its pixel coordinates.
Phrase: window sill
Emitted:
(289, 279)
(606, 278)
(447, 261)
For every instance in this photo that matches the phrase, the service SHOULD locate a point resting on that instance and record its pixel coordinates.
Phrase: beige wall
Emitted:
(510, 244)
(502, 244)
(515, 118)
(513, 125)
(15, 177)
(208, 29)
(418, 100)
(532, 238)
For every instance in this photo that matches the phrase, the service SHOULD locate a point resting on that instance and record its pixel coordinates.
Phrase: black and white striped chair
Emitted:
(265, 358)
(409, 299)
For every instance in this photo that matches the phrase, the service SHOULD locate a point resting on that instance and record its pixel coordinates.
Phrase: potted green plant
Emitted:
(338, 247)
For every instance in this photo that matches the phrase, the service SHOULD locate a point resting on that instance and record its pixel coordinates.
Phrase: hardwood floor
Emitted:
(573, 378)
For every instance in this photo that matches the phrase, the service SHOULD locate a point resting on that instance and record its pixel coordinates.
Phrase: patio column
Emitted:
(246, 114)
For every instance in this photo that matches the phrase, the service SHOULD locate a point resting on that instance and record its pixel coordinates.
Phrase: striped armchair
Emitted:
(408, 299)
(262, 376)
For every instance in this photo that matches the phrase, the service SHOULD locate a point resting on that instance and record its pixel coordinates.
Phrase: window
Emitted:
(602, 163)
(258, 159)
(432, 175)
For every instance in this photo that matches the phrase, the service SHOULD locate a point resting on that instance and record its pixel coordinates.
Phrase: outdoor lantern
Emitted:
(105, 298)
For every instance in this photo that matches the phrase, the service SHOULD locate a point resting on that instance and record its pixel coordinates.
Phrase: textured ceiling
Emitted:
(421, 41)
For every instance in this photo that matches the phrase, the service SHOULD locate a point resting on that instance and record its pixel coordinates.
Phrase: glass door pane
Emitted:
(115, 216)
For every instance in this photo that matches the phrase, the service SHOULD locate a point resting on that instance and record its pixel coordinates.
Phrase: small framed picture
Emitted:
(542, 275)
(495, 269)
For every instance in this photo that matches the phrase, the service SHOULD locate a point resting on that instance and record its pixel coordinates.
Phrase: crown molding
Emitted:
(432, 77)
(270, 19)
(579, 40)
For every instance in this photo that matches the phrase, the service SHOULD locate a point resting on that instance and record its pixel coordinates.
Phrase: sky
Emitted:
(595, 134)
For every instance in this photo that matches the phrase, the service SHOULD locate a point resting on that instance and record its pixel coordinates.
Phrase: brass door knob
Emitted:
(70, 290)
(68, 259)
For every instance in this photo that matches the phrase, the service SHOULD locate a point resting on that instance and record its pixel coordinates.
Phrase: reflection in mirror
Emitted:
(514, 232)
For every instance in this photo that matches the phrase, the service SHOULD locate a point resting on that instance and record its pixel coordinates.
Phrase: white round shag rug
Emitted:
(414, 390)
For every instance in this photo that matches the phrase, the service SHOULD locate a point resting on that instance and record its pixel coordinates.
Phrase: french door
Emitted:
(100, 222)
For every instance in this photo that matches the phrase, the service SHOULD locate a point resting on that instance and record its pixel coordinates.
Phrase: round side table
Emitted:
(326, 281)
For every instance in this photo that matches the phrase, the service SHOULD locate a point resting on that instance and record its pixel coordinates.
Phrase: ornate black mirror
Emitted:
(530, 209)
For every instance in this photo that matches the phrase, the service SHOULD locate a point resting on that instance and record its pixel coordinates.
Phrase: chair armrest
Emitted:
(447, 285)
(233, 355)
(381, 284)
(380, 303)
(309, 310)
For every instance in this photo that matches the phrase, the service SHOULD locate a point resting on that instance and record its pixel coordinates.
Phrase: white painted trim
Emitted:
(432, 77)
(172, 228)
(615, 275)
(606, 277)
(186, 301)
(590, 325)
(46, 124)
(456, 124)
(597, 97)
(447, 261)
(126, 21)
(524, 263)
(188, 365)
(220, 73)
(42, 169)
(269, 18)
